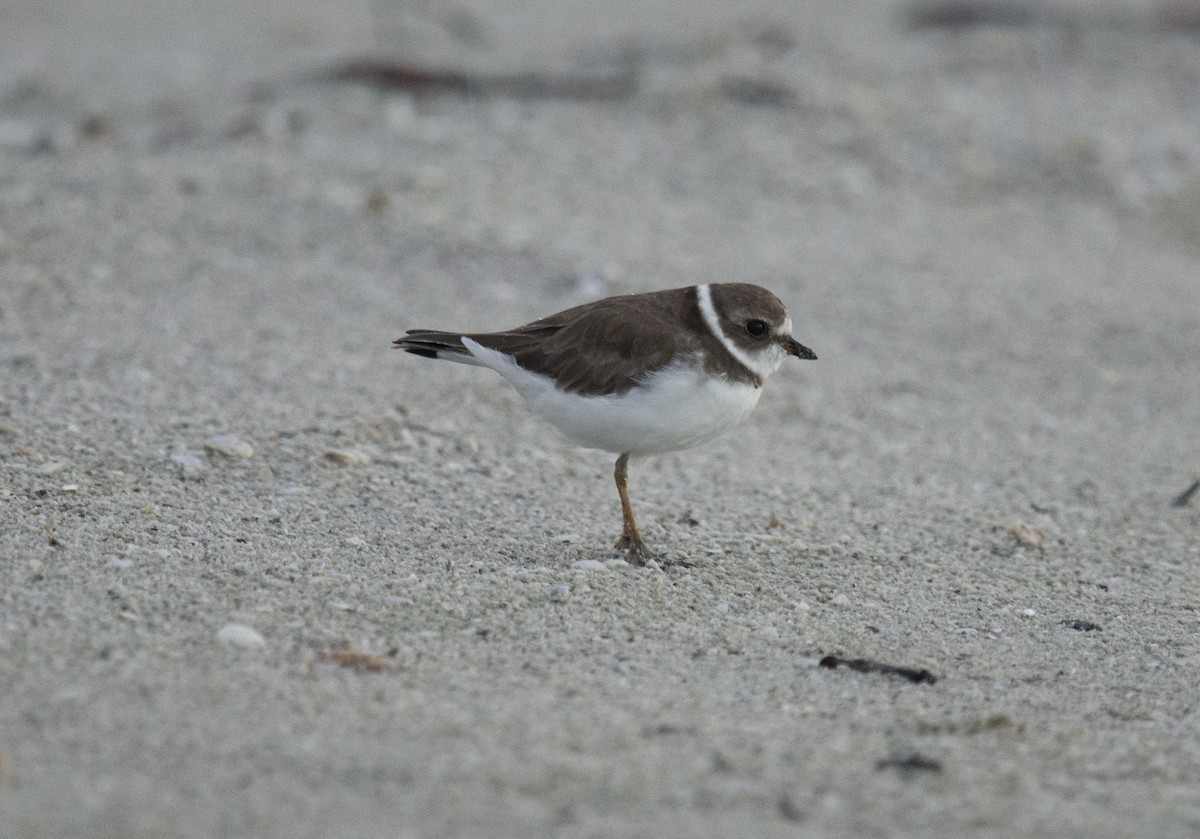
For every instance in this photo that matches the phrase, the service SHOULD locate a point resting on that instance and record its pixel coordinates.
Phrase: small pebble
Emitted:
(21, 135)
(1028, 535)
(97, 127)
(229, 445)
(1029, 613)
(240, 635)
(722, 608)
(560, 592)
(118, 562)
(348, 457)
(50, 467)
(589, 565)
(376, 200)
(840, 600)
(189, 463)
(70, 487)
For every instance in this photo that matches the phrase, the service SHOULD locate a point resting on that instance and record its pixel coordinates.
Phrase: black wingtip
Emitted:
(424, 352)
(418, 349)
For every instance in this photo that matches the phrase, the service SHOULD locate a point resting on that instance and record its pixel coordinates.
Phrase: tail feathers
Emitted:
(429, 343)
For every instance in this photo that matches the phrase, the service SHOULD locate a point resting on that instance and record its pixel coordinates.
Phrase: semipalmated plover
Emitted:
(637, 374)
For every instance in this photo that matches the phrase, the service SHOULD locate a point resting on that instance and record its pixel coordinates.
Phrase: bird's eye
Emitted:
(756, 328)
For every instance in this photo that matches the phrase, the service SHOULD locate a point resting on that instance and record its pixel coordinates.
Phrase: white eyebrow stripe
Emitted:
(709, 312)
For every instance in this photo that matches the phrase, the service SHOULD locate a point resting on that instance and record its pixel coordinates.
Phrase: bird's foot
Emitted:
(636, 552)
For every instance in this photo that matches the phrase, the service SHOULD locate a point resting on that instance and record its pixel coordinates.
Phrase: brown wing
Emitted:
(604, 347)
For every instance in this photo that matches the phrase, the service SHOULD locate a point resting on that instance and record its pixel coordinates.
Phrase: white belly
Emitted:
(676, 408)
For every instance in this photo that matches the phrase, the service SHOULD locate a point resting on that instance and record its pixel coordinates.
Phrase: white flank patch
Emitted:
(761, 364)
(675, 408)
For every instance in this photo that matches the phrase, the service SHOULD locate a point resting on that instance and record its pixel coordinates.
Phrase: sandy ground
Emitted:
(262, 576)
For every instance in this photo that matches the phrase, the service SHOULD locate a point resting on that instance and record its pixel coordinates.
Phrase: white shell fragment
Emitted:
(348, 457)
(188, 462)
(240, 635)
(229, 445)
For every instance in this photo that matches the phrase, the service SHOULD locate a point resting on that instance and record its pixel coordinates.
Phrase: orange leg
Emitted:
(631, 540)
